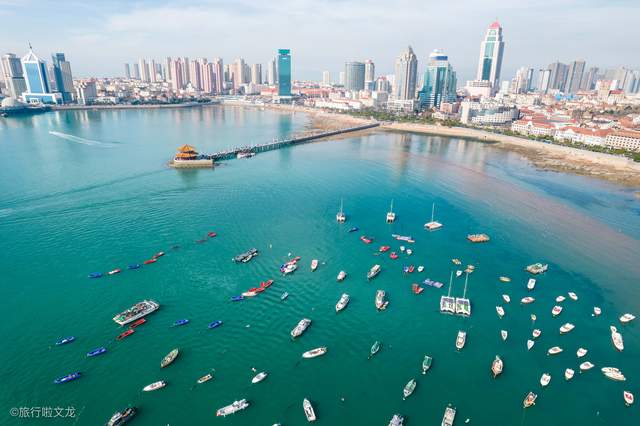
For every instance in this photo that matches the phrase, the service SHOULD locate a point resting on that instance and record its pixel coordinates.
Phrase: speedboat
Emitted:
(560, 299)
(234, 407)
(496, 366)
(396, 420)
(300, 328)
(506, 298)
(554, 350)
(150, 261)
(556, 310)
(308, 410)
(613, 374)
(393, 255)
(134, 266)
(314, 264)
(259, 377)
(373, 272)
(530, 344)
(122, 417)
(409, 388)
(366, 239)
(211, 234)
(531, 284)
(536, 333)
(567, 327)
(626, 318)
(342, 275)
(426, 364)
(313, 353)
(289, 268)
(374, 348)
(215, 324)
(343, 302)
(581, 352)
(616, 338)
(384, 249)
(628, 397)
(138, 323)
(585, 366)
(527, 300)
(596, 311)
(169, 358)
(180, 322)
(95, 275)
(505, 279)
(461, 339)
(114, 271)
(129, 332)
(65, 340)
(504, 334)
(500, 311)
(409, 252)
(67, 378)
(237, 298)
(284, 295)
(568, 374)
(420, 268)
(458, 273)
(381, 303)
(97, 351)
(573, 296)
(154, 386)
(545, 379)
(354, 229)
(530, 400)
(205, 378)
(157, 255)
(416, 288)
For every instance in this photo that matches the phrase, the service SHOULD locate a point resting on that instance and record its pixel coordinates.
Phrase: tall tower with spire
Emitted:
(490, 62)
(34, 70)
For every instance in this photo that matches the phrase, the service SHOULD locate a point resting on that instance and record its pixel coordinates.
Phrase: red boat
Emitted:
(294, 260)
(158, 254)
(129, 332)
(411, 268)
(384, 249)
(393, 255)
(266, 284)
(366, 240)
(416, 289)
(212, 234)
(115, 271)
(137, 323)
(149, 261)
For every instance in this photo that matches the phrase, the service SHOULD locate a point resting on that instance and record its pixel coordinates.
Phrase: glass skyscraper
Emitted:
(35, 73)
(62, 77)
(490, 61)
(405, 76)
(284, 72)
(439, 81)
(354, 76)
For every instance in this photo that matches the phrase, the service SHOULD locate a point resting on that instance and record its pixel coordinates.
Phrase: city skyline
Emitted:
(242, 33)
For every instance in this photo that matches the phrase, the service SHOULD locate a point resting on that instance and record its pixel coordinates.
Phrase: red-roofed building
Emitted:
(625, 139)
(533, 128)
(582, 135)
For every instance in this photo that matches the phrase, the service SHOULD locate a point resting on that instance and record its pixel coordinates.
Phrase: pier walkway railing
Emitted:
(277, 144)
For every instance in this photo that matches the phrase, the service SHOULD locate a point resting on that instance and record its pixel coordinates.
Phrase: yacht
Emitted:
(613, 374)
(560, 299)
(154, 386)
(343, 302)
(568, 374)
(373, 272)
(313, 353)
(461, 339)
(496, 366)
(409, 388)
(616, 338)
(530, 344)
(300, 328)
(556, 310)
(391, 216)
(506, 298)
(573, 296)
(626, 318)
(308, 410)
(585, 366)
(531, 284)
(449, 416)
(341, 276)
(527, 300)
(137, 311)
(234, 407)
(581, 352)
(426, 364)
(433, 224)
(500, 311)
(340, 216)
(381, 303)
(567, 327)
(530, 400)
(504, 334)
(122, 417)
(545, 379)
(259, 377)
(396, 420)
(314, 264)
(554, 350)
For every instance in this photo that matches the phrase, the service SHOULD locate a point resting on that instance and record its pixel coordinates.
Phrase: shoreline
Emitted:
(126, 106)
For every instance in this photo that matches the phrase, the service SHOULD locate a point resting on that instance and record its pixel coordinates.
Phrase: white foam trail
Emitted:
(80, 140)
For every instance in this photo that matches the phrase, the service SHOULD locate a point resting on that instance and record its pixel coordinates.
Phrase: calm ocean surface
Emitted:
(85, 191)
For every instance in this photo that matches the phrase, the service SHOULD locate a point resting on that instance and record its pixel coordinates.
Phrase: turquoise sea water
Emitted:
(96, 194)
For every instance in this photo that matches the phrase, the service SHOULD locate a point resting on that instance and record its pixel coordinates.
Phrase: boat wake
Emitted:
(83, 141)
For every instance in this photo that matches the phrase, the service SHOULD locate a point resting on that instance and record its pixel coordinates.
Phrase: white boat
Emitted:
(567, 327)
(627, 318)
(461, 339)
(249, 294)
(573, 296)
(568, 374)
(527, 300)
(402, 249)
(289, 268)
(536, 333)
(585, 366)
(449, 416)
(284, 296)
(433, 224)
(340, 216)
(409, 252)
(234, 407)
(300, 328)
(496, 366)
(420, 268)
(313, 353)
(259, 377)
(500, 311)
(613, 374)
(409, 388)
(343, 302)
(458, 273)
(628, 397)
(596, 311)
(381, 303)
(545, 379)
(531, 284)
(616, 338)
(341, 276)
(391, 216)
(373, 272)
(308, 410)
(155, 386)
(314, 264)
(554, 350)
(506, 298)
(530, 344)
(556, 310)
(530, 400)
(581, 352)
(504, 334)
(560, 299)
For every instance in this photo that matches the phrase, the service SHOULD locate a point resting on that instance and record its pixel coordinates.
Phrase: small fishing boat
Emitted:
(458, 273)
(215, 324)
(114, 271)
(366, 239)
(537, 268)
(585, 366)
(461, 339)
(343, 302)
(288, 268)
(384, 249)
(596, 311)
(284, 296)
(205, 378)
(626, 318)
(530, 400)
(396, 420)
(122, 417)
(402, 249)
(409, 253)
(259, 377)
(556, 310)
(341, 276)
(567, 327)
(568, 374)
(628, 397)
(409, 388)
(545, 379)
(97, 351)
(314, 264)
(554, 350)
(380, 301)
(129, 332)
(504, 334)
(373, 272)
(134, 266)
(308, 410)
(613, 374)
(416, 288)
(157, 255)
(496, 366)
(420, 268)
(531, 284)
(456, 261)
(95, 275)
(527, 300)
(505, 279)
(572, 296)
(237, 298)
(169, 358)
(375, 348)
(211, 234)
(560, 299)
(65, 340)
(249, 294)
(581, 352)
(506, 298)
(180, 322)
(313, 353)
(530, 344)
(426, 364)
(154, 386)
(150, 261)
(266, 284)
(300, 328)
(67, 378)
(393, 255)
(500, 311)
(354, 229)
(616, 338)
(138, 323)
(536, 333)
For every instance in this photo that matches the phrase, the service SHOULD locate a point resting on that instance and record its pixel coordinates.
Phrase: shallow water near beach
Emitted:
(86, 191)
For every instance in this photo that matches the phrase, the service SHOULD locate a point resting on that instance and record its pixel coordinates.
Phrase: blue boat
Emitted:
(237, 298)
(134, 266)
(216, 323)
(65, 340)
(95, 275)
(180, 322)
(96, 352)
(405, 269)
(67, 378)
(354, 229)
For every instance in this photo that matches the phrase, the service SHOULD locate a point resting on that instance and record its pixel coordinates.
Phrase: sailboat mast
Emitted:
(433, 207)
(464, 294)
(450, 280)
(341, 202)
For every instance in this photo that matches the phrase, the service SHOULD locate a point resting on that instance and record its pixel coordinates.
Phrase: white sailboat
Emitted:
(391, 216)
(433, 225)
(463, 305)
(341, 217)
(448, 303)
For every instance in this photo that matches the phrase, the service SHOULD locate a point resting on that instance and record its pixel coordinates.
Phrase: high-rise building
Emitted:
(144, 70)
(86, 92)
(574, 76)
(218, 69)
(256, 73)
(490, 62)
(127, 71)
(153, 71)
(354, 76)
(208, 76)
(382, 84)
(177, 82)
(342, 77)
(35, 71)
(326, 78)
(195, 75)
(13, 76)
(522, 81)
(439, 81)
(272, 73)
(406, 71)
(238, 73)
(558, 77)
(186, 72)
(63, 77)
(284, 72)
(369, 72)
(544, 76)
(51, 76)
(590, 78)
(136, 71)
(167, 71)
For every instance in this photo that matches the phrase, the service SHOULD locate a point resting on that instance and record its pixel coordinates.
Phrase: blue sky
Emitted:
(99, 36)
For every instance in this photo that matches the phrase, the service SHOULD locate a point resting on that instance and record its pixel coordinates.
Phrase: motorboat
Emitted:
(205, 378)
(373, 272)
(343, 302)
(396, 420)
(157, 255)
(527, 300)
(234, 407)
(215, 324)
(341, 276)
(531, 284)
(449, 416)
(313, 353)
(426, 364)
(568, 374)
(150, 261)
(180, 322)
(393, 255)
(581, 352)
(556, 310)
(409, 388)
(266, 284)
(284, 296)
(530, 344)
(95, 275)
(67, 378)
(409, 252)
(249, 294)
(626, 318)
(616, 338)
(375, 348)
(416, 289)
(506, 298)
(289, 268)
(366, 239)
(97, 351)
(500, 311)
(536, 333)
(169, 358)
(628, 397)
(381, 303)
(545, 379)
(530, 400)
(504, 279)
(496, 366)
(314, 264)
(154, 386)
(567, 327)
(554, 350)
(126, 333)
(461, 339)
(537, 268)
(596, 311)
(65, 340)
(354, 229)
(572, 296)
(300, 328)
(212, 234)
(402, 249)
(308, 410)
(384, 249)
(134, 266)
(121, 417)
(420, 268)
(560, 299)
(613, 374)
(259, 377)
(458, 273)
(114, 271)
(585, 366)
